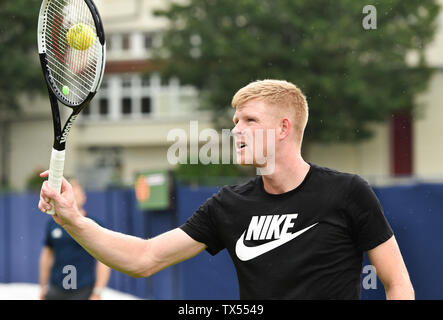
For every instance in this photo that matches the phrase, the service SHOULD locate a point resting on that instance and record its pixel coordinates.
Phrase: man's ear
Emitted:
(285, 128)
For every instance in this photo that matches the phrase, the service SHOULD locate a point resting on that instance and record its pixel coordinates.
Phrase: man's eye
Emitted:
(250, 119)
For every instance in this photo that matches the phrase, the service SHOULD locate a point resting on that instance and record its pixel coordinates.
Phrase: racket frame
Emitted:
(57, 160)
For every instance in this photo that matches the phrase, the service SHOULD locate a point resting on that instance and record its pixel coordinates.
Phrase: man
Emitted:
(60, 251)
(297, 232)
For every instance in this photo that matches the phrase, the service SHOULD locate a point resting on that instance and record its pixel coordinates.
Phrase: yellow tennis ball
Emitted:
(81, 36)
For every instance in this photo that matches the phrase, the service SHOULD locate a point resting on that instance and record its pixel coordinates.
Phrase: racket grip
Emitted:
(56, 166)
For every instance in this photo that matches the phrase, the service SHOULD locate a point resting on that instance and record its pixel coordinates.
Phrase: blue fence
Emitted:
(415, 213)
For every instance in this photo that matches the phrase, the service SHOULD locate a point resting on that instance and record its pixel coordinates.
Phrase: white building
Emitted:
(125, 128)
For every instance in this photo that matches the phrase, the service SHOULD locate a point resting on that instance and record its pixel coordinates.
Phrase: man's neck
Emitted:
(287, 175)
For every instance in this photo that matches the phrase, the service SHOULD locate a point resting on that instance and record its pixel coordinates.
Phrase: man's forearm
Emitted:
(400, 292)
(124, 253)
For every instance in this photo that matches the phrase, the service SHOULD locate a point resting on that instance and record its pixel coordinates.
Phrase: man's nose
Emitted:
(236, 131)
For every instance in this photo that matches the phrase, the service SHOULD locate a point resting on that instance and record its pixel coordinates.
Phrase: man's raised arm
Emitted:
(128, 254)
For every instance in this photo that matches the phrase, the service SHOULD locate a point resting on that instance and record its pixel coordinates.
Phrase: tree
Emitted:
(211, 174)
(20, 71)
(351, 76)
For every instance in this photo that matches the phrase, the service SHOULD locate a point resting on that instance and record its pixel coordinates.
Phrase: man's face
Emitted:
(254, 133)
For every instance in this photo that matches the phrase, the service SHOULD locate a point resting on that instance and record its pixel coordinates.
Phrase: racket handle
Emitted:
(56, 167)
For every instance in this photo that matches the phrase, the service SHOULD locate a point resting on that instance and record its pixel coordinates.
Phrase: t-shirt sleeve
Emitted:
(369, 226)
(201, 227)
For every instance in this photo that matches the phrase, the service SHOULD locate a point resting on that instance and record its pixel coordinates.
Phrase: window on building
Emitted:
(148, 40)
(103, 106)
(126, 82)
(146, 105)
(126, 106)
(146, 82)
(104, 84)
(108, 43)
(164, 81)
(126, 42)
(136, 96)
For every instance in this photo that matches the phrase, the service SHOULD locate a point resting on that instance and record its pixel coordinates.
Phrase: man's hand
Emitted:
(65, 206)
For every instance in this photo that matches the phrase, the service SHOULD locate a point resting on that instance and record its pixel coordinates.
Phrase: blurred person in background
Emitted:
(297, 232)
(60, 254)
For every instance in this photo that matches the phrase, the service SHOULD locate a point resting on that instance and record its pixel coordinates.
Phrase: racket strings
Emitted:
(58, 46)
(70, 68)
(79, 59)
(71, 22)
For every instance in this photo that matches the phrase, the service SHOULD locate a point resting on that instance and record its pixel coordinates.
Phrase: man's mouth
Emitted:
(241, 145)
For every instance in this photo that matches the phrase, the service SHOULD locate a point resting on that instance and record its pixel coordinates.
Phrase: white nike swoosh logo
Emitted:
(245, 253)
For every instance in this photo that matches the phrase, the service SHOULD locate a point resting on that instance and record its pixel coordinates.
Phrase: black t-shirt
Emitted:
(307, 243)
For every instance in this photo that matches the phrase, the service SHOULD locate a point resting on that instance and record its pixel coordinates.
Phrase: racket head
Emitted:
(73, 72)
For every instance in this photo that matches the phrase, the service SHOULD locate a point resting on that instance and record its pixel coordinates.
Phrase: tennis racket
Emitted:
(71, 46)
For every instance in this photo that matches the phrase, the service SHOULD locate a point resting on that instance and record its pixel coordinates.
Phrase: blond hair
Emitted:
(277, 93)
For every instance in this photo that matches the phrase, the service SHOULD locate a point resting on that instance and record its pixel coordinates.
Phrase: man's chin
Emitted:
(249, 163)
(244, 164)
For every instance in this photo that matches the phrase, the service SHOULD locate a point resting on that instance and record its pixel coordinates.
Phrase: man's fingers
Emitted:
(44, 206)
(66, 186)
(43, 197)
(44, 200)
(49, 192)
(44, 203)
(44, 174)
